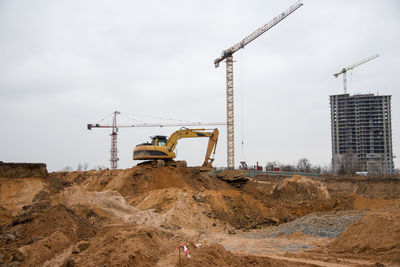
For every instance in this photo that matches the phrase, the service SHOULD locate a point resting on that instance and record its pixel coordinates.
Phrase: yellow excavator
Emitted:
(160, 151)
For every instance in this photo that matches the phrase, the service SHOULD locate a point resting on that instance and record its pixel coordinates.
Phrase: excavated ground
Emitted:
(139, 216)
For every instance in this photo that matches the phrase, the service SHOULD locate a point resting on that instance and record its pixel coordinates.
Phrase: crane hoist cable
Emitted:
(242, 103)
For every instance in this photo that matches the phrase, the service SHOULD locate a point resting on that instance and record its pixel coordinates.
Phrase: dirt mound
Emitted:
(178, 198)
(240, 210)
(40, 231)
(141, 179)
(216, 255)
(15, 193)
(22, 170)
(170, 208)
(300, 188)
(299, 195)
(376, 235)
(123, 245)
(137, 217)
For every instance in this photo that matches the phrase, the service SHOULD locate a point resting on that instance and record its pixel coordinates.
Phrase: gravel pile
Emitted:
(329, 225)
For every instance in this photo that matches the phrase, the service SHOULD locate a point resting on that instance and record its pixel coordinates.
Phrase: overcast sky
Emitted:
(64, 64)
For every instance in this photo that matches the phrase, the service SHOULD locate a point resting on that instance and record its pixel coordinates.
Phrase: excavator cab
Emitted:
(159, 140)
(156, 149)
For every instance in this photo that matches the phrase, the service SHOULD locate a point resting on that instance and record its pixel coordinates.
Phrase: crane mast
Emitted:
(344, 70)
(114, 149)
(227, 56)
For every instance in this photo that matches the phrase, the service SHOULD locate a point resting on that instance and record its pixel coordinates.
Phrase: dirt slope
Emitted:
(216, 255)
(180, 197)
(376, 236)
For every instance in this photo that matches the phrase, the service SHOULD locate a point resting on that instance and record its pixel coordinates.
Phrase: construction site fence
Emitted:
(253, 173)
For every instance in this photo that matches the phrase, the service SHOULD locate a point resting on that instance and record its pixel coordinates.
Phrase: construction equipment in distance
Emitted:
(227, 55)
(114, 132)
(161, 149)
(344, 70)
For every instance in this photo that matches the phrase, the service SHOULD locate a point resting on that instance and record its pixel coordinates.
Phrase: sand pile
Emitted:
(300, 188)
(172, 198)
(141, 179)
(137, 217)
(170, 208)
(241, 211)
(108, 204)
(301, 195)
(41, 231)
(376, 235)
(123, 245)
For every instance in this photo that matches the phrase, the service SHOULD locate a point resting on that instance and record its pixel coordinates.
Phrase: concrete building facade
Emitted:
(361, 132)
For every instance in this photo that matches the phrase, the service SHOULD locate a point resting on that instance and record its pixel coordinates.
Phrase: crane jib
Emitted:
(228, 52)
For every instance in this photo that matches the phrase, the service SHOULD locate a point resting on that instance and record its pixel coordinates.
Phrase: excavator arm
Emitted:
(212, 146)
(193, 133)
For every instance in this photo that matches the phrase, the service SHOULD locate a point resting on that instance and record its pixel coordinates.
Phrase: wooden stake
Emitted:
(180, 262)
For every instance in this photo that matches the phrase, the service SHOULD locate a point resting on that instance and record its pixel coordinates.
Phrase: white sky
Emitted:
(64, 64)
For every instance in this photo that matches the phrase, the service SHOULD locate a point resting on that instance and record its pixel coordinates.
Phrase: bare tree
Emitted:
(80, 167)
(326, 169)
(288, 168)
(270, 165)
(67, 169)
(304, 165)
(100, 167)
(316, 169)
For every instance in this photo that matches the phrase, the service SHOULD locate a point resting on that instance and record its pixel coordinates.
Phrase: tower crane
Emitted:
(227, 56)
(114, 132)
(344, 70)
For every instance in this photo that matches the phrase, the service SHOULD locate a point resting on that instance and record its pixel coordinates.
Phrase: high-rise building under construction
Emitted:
(361, 131)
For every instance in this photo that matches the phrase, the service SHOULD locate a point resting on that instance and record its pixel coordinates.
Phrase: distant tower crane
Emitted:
(227, 54)
(344, 70)
(114, 149)
(114, 132)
